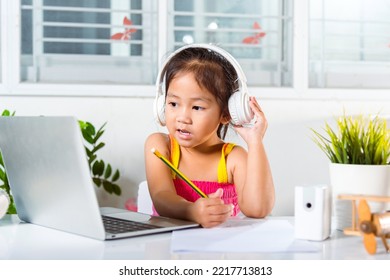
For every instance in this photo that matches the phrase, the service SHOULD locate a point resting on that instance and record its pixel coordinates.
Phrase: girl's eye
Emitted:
(197, 108)
(173, 104)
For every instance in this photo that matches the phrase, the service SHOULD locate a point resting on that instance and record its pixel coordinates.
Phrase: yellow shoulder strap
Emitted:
(222, 170)
(175, 154)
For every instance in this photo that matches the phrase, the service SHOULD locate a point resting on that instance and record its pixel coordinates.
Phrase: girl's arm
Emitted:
(207, 212)
(252, 172)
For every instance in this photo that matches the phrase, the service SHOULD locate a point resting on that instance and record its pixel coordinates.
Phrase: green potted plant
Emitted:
(102, 173)
(359, 153)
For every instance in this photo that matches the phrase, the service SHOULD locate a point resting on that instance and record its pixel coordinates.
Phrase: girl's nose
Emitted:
(184, 116)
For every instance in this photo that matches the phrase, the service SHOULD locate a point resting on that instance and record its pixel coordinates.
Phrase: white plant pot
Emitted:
(357, 179)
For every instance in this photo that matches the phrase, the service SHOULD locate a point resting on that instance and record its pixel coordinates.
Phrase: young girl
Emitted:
(198, 83)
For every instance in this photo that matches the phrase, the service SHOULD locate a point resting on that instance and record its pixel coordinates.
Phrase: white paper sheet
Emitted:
(242, 236)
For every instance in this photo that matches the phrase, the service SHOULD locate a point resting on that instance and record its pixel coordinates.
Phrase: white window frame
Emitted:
(11, 86)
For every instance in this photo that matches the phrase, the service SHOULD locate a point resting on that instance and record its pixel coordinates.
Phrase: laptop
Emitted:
(50, 180)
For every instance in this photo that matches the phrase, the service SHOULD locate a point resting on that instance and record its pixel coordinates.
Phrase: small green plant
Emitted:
(358, 140)
(3, 175)
(102, 173)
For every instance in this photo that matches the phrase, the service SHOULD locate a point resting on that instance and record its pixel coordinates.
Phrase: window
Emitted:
(294, 49)
(116, 41)
(99, 41)
(257, 33)
(349, 44)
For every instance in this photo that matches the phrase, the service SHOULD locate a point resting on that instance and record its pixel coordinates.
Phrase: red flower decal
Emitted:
(255, 39)
(126, 35)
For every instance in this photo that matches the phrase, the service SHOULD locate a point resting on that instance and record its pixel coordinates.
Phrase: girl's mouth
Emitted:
(184, 132)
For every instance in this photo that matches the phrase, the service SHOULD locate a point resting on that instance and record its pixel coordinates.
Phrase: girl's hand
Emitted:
(256, 131)
(211, 211)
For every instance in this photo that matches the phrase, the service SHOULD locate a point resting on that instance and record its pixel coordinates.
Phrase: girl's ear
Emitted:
(225, 119)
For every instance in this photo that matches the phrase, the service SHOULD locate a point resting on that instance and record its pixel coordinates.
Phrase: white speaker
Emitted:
(4, 203)
(312, 212)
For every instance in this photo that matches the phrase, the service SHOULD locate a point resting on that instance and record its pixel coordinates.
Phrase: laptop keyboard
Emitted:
(115, 225)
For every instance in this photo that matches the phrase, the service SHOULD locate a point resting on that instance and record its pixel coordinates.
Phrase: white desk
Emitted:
(19, 240)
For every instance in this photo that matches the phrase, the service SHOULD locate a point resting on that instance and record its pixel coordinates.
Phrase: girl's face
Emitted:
(192, 113)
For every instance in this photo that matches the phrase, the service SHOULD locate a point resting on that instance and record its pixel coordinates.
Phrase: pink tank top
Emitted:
(229, 190)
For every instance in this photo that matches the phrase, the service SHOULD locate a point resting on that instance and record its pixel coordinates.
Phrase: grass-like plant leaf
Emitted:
(357, 140)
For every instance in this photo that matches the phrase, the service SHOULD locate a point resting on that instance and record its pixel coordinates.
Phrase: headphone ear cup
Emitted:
(159, 110)
(239, 108)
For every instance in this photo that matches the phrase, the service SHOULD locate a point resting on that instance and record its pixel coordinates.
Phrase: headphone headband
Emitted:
(237, 67)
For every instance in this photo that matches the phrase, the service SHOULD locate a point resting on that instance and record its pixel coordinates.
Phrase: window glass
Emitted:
(349, 44)
(258, 33)
(95, 41)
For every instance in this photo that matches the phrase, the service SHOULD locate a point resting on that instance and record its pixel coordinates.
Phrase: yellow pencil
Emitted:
(177, 171)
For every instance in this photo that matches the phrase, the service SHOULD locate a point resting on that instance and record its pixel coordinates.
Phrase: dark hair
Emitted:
(212, 71)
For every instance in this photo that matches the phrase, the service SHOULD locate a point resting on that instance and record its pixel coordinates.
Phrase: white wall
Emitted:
(294, 158)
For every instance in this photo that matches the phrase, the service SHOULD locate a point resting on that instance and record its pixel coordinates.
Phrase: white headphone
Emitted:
(239, 109)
